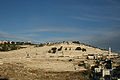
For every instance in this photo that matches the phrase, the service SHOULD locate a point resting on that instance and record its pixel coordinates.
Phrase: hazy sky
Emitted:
(95, 22)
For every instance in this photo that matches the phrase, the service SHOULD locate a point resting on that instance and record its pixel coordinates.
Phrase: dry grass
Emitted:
(18, 72)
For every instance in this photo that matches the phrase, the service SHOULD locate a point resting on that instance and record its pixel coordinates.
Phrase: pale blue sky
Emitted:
(95, 22)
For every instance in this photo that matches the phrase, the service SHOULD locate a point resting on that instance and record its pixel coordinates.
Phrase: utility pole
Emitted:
(109, 52)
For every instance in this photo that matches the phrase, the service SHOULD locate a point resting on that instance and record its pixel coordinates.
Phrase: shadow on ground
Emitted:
(3, 79)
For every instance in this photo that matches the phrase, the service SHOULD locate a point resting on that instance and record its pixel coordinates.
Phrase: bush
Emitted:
(13, 48)
(65, 48)
(4, 48)
(70, 60)
(49, 51)
(8, 47)
(60, 56)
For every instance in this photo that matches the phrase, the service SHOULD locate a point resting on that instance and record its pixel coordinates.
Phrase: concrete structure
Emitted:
(10, 42)
(29, 42)
(90, 57)
(105, 72)
(98, 69)
(3, 42)
(109, 53)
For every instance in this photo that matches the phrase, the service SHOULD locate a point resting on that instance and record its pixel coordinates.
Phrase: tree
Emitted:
(60, 48)
(54, 49)
(77, 42)
(4, 48)
(78, 48)
(13, 42)
(83, 49)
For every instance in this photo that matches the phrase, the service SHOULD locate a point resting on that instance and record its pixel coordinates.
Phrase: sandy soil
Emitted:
(38, 58)
(35, 63)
